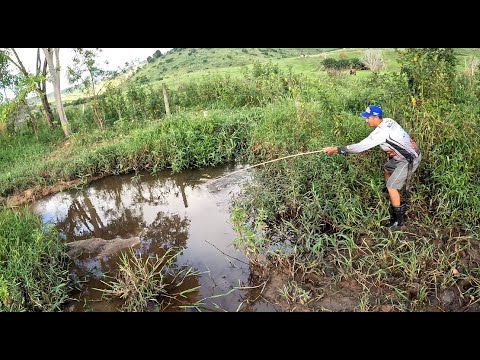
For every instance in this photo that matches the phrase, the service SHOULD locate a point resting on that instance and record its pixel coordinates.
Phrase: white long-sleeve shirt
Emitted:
(389, 135)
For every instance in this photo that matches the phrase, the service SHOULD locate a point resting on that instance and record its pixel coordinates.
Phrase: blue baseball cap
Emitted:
(372, 110)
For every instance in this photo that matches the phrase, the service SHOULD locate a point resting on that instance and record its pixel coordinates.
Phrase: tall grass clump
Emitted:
(22, 153)
(141, 283)
(192, 140)
(33, 264)
(445, 120)
(451, 168)
(257, 86)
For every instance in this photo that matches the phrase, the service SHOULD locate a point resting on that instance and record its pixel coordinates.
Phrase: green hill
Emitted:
(183, 64)
(181, 61)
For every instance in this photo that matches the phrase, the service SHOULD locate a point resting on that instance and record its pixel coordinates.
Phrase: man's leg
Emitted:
(395, 174)
(393, 193)
(396, 180)
(394, 196)
(386, 174)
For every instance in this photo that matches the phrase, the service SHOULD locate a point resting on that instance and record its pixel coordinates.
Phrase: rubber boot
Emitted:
(398, 216)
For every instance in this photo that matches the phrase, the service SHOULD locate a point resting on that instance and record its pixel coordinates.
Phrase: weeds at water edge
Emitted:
(152, 280)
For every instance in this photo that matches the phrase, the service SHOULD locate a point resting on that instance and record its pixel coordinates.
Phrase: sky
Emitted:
(117, 57)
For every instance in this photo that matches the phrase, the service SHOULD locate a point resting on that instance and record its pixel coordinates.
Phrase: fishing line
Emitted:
(270, 161)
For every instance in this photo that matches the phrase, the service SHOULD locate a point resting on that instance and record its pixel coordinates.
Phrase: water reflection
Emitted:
(113, 207)
(186, 210)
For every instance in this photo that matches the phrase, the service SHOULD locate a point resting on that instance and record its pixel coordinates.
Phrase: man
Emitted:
(404, 156)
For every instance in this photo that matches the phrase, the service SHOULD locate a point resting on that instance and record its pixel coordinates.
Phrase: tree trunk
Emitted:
(96, 115)
(54, 68)
(46, 107)
(94, 103)
(42, 85)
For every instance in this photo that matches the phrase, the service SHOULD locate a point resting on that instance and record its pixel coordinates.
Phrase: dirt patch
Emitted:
(331, 293)
(326, 295)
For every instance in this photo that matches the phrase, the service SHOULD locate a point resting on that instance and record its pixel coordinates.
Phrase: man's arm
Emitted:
(375, 138)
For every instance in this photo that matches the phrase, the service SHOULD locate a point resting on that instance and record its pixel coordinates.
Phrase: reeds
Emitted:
(141, 283)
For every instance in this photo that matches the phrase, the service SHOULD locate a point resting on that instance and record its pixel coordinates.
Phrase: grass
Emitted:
(141, 283)
(33, 265)
(22, 150)
(183, 67)
(293, 293)
(408, 271)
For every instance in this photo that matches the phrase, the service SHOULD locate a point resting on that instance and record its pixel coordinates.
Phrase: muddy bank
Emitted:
(37, 192)
(294, 285)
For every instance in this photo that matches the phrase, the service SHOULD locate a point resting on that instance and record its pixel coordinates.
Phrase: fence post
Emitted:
(165, 99)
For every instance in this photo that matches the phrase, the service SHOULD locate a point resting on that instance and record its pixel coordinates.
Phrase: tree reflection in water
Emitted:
(114, 208)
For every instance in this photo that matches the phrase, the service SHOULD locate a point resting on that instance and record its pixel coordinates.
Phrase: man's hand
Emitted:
(330, 150)
(413, 143)
(390, 153)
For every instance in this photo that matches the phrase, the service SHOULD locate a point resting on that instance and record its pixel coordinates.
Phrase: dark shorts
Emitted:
(398, 170)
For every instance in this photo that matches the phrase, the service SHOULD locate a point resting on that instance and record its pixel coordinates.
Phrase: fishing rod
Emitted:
(270, 161)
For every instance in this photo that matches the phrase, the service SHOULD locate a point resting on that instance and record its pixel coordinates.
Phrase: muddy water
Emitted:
(150, 214)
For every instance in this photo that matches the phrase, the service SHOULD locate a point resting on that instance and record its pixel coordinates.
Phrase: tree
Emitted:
(373, 59)
(7, 80)
(21, 85)
(42, 86)
(430, 72)
(87, 73)
(54, 68)
(40, 80)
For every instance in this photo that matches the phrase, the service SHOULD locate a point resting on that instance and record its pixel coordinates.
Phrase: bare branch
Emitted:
(18, 64)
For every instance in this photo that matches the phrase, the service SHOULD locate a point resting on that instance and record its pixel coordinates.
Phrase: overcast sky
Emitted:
(117, 57)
